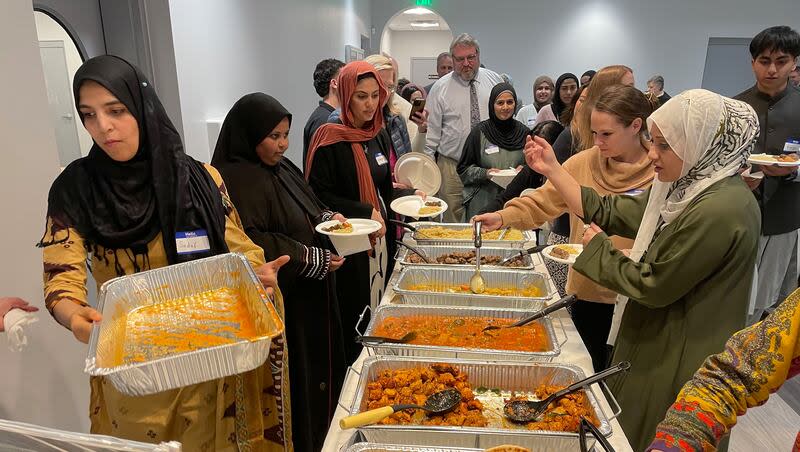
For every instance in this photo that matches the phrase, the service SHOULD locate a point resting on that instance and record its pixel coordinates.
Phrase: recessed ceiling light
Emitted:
(424, 24)
(418, 11)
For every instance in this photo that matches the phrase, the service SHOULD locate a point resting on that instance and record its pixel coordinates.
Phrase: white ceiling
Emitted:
(402, 21)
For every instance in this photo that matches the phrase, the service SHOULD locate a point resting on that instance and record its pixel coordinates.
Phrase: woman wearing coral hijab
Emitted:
(348, 168)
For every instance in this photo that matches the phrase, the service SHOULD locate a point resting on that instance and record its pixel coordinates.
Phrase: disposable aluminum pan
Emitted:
(122, 295)
(434, 251)
(372, 447)
(527, 236)
(552, 350)
(507, 376)
(440, 276)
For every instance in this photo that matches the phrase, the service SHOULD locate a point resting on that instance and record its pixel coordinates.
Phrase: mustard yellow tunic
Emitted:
(247, 412)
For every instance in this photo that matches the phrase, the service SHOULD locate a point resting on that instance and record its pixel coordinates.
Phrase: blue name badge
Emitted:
(379, 157)
(792, 146)
(190, 242)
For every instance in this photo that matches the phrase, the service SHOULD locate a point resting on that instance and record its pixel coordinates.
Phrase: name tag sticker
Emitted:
(190, 242)
(380, 159)
(531, 121)
(492, 150)
(792, 146)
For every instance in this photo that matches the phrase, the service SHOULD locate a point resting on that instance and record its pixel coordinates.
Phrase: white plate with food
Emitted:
(563, 254)
(504, 177)
(418, 170)
(351, 236)
(775, 160)
(415, 207)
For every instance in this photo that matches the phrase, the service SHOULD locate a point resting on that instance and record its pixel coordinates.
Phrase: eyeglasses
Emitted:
(471, 58)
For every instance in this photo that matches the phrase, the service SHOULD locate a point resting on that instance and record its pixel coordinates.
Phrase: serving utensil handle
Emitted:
(366, 418)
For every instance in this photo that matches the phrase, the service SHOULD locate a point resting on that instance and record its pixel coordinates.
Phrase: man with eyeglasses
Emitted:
(457, 102)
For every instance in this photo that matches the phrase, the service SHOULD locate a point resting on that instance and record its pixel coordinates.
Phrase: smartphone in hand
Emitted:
(417, 106)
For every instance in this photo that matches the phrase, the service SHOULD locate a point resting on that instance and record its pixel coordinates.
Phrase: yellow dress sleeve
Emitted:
(235, 237)
(64, 259)
(755, 363)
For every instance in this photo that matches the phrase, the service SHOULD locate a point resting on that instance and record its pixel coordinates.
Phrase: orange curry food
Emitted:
(465, 332)
(563, 415)
(207, 319)
(414, 386)
(530, 291)
(480, 407)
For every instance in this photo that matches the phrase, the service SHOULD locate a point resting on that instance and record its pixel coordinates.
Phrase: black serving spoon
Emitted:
(437, 403)
(530, 410)
(565, 302)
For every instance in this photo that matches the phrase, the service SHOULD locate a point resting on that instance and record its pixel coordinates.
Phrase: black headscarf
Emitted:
(509, 134)
(558, 105)
(249, 180)
(120, 205)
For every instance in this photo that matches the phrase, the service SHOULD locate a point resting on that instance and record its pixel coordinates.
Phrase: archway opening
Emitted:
(415, 37)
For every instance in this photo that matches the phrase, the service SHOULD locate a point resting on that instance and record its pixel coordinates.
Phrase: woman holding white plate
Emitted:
(348, 168)
(494, 147)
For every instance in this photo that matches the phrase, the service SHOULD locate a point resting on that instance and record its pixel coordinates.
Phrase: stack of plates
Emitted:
(419, 171)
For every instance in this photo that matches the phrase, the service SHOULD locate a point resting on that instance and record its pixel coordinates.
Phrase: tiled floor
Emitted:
(772, 427)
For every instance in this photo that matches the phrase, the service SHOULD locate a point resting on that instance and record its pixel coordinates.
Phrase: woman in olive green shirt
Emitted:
(690, 270)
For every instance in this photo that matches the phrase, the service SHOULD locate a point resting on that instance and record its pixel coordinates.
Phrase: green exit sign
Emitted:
(423, 2)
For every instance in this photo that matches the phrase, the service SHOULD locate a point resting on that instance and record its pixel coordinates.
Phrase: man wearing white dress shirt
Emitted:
(457, 102)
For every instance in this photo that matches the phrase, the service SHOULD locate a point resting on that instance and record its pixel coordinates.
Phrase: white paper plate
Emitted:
(768, 160)
(354, 242)
(751, 175)
(572, 257)
(504, 177)
(410, 205)
(419, 171)
(361, 226)
(527, 191)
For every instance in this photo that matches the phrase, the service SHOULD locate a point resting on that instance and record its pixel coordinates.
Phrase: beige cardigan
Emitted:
(590, 169)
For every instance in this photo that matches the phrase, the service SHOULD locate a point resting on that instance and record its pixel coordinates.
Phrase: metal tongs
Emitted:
(534, 250)
(417, 251)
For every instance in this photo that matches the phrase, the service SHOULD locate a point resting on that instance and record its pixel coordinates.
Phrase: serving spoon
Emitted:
(476, 283)
(530, 410)
(437, 403)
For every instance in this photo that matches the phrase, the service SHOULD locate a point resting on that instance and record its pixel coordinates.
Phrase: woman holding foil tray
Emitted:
(126, 207)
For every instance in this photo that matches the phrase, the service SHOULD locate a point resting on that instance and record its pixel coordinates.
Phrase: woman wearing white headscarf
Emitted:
(691, 267)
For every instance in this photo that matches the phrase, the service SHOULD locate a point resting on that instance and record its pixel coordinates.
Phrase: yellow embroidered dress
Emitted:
(756, 362)
(247, 412)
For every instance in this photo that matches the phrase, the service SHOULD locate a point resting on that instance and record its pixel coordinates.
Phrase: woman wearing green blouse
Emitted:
(691, 267)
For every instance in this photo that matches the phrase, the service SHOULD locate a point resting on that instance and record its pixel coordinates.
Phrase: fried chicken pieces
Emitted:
(415, 385)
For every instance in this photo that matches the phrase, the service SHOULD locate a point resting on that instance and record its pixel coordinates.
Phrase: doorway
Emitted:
(728, 70)
(415, 37)
(60, 60)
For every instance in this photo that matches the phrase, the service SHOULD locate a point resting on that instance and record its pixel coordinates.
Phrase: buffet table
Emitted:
(573, 352)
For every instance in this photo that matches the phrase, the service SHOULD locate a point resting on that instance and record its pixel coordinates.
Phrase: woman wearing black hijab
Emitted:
(493, 145)
(566, 87)
(127, 207)
(279, 211)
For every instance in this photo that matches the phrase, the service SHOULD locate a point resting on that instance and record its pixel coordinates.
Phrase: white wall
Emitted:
(48, 29)
(407, 44)
(45, 384)
(224, 50)
(526, 39)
